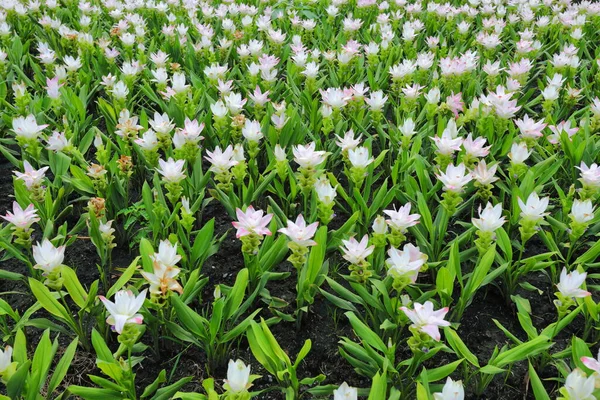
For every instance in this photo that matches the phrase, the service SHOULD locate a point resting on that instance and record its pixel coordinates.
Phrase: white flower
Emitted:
(167, 255)
(455, 177)
(345, 392)
(57, 142)
(325, 192)
(356, 252)
(5, 359)
(32, 177)
(590, 176)
(348, 142)
(120, 90)
(519, 153)
(580, 387)
(27, 127)
(405, 263)
(380, 225)
(402, 219)
(299, 232)
(279, 153)
(148, 141)
(252, 131)
(48, 257)
(221, 160)
(475, 147)
(238, 376)
(376, 100)
(490, 219)
(161, 123)
(535, 207)
(21, 219)
(234, 103)
(452, 390)
(359, 157)
(307, 157)
(407, 128)
(484, 175)
(570, 284)
(425, 319)
(171, 171)
(125, 309)
(582, 211)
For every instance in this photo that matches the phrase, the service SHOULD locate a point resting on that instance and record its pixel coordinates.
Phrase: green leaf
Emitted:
(124, 278)
(539, 391)
(47, 300)
(73, 286)
(459, 346)
(62, 367)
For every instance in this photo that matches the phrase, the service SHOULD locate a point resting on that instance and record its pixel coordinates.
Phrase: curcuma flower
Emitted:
(592, 363)
(402, 219)
(490, 218)
(32, 177)
(404, 265)
(345, 392)
(570, 284)
(5, 360)
(300, 233)
(47, 257)
(452, 390)
(238, 377)
(426, 320)
(125, 309)
(534, 209)
(27, 127)
(21, 219)
(252, 222)
(356, 252)
(307, 157)
(455, 178)
(171, 170)
(578, 386)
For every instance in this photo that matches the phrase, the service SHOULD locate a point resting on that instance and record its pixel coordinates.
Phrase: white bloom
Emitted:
(455, 177)
(125, 309)
(359, 157)
(345, 392)
(238, 376)
(582, 211)
(48, 257)
(171, 171)
(535, 207)
(356, 252)
(452, 390)
(490, 218)
(307, 157)
(580, 387)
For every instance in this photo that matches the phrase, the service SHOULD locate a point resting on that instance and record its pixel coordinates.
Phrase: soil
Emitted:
(477, 329)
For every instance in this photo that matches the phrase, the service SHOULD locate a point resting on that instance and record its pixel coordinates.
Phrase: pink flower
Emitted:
(32, 177)
(455, 103)
(299, 232)
(21, 218)
(402, 219)
(426, 320)
(591, 363)
(251, 222)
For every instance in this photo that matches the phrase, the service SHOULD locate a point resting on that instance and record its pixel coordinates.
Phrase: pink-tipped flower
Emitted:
(570, 284)
(32, 177)
(592, 363)
(402, 219)
(425, 319)
(406, 262)
(300, 233)
(221, 160)
(251, 222)
(356, 252)
(125, 309)
(20, 218)
(307, 157)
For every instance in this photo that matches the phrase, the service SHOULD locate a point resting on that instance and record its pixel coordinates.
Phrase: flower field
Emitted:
(319, 199)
